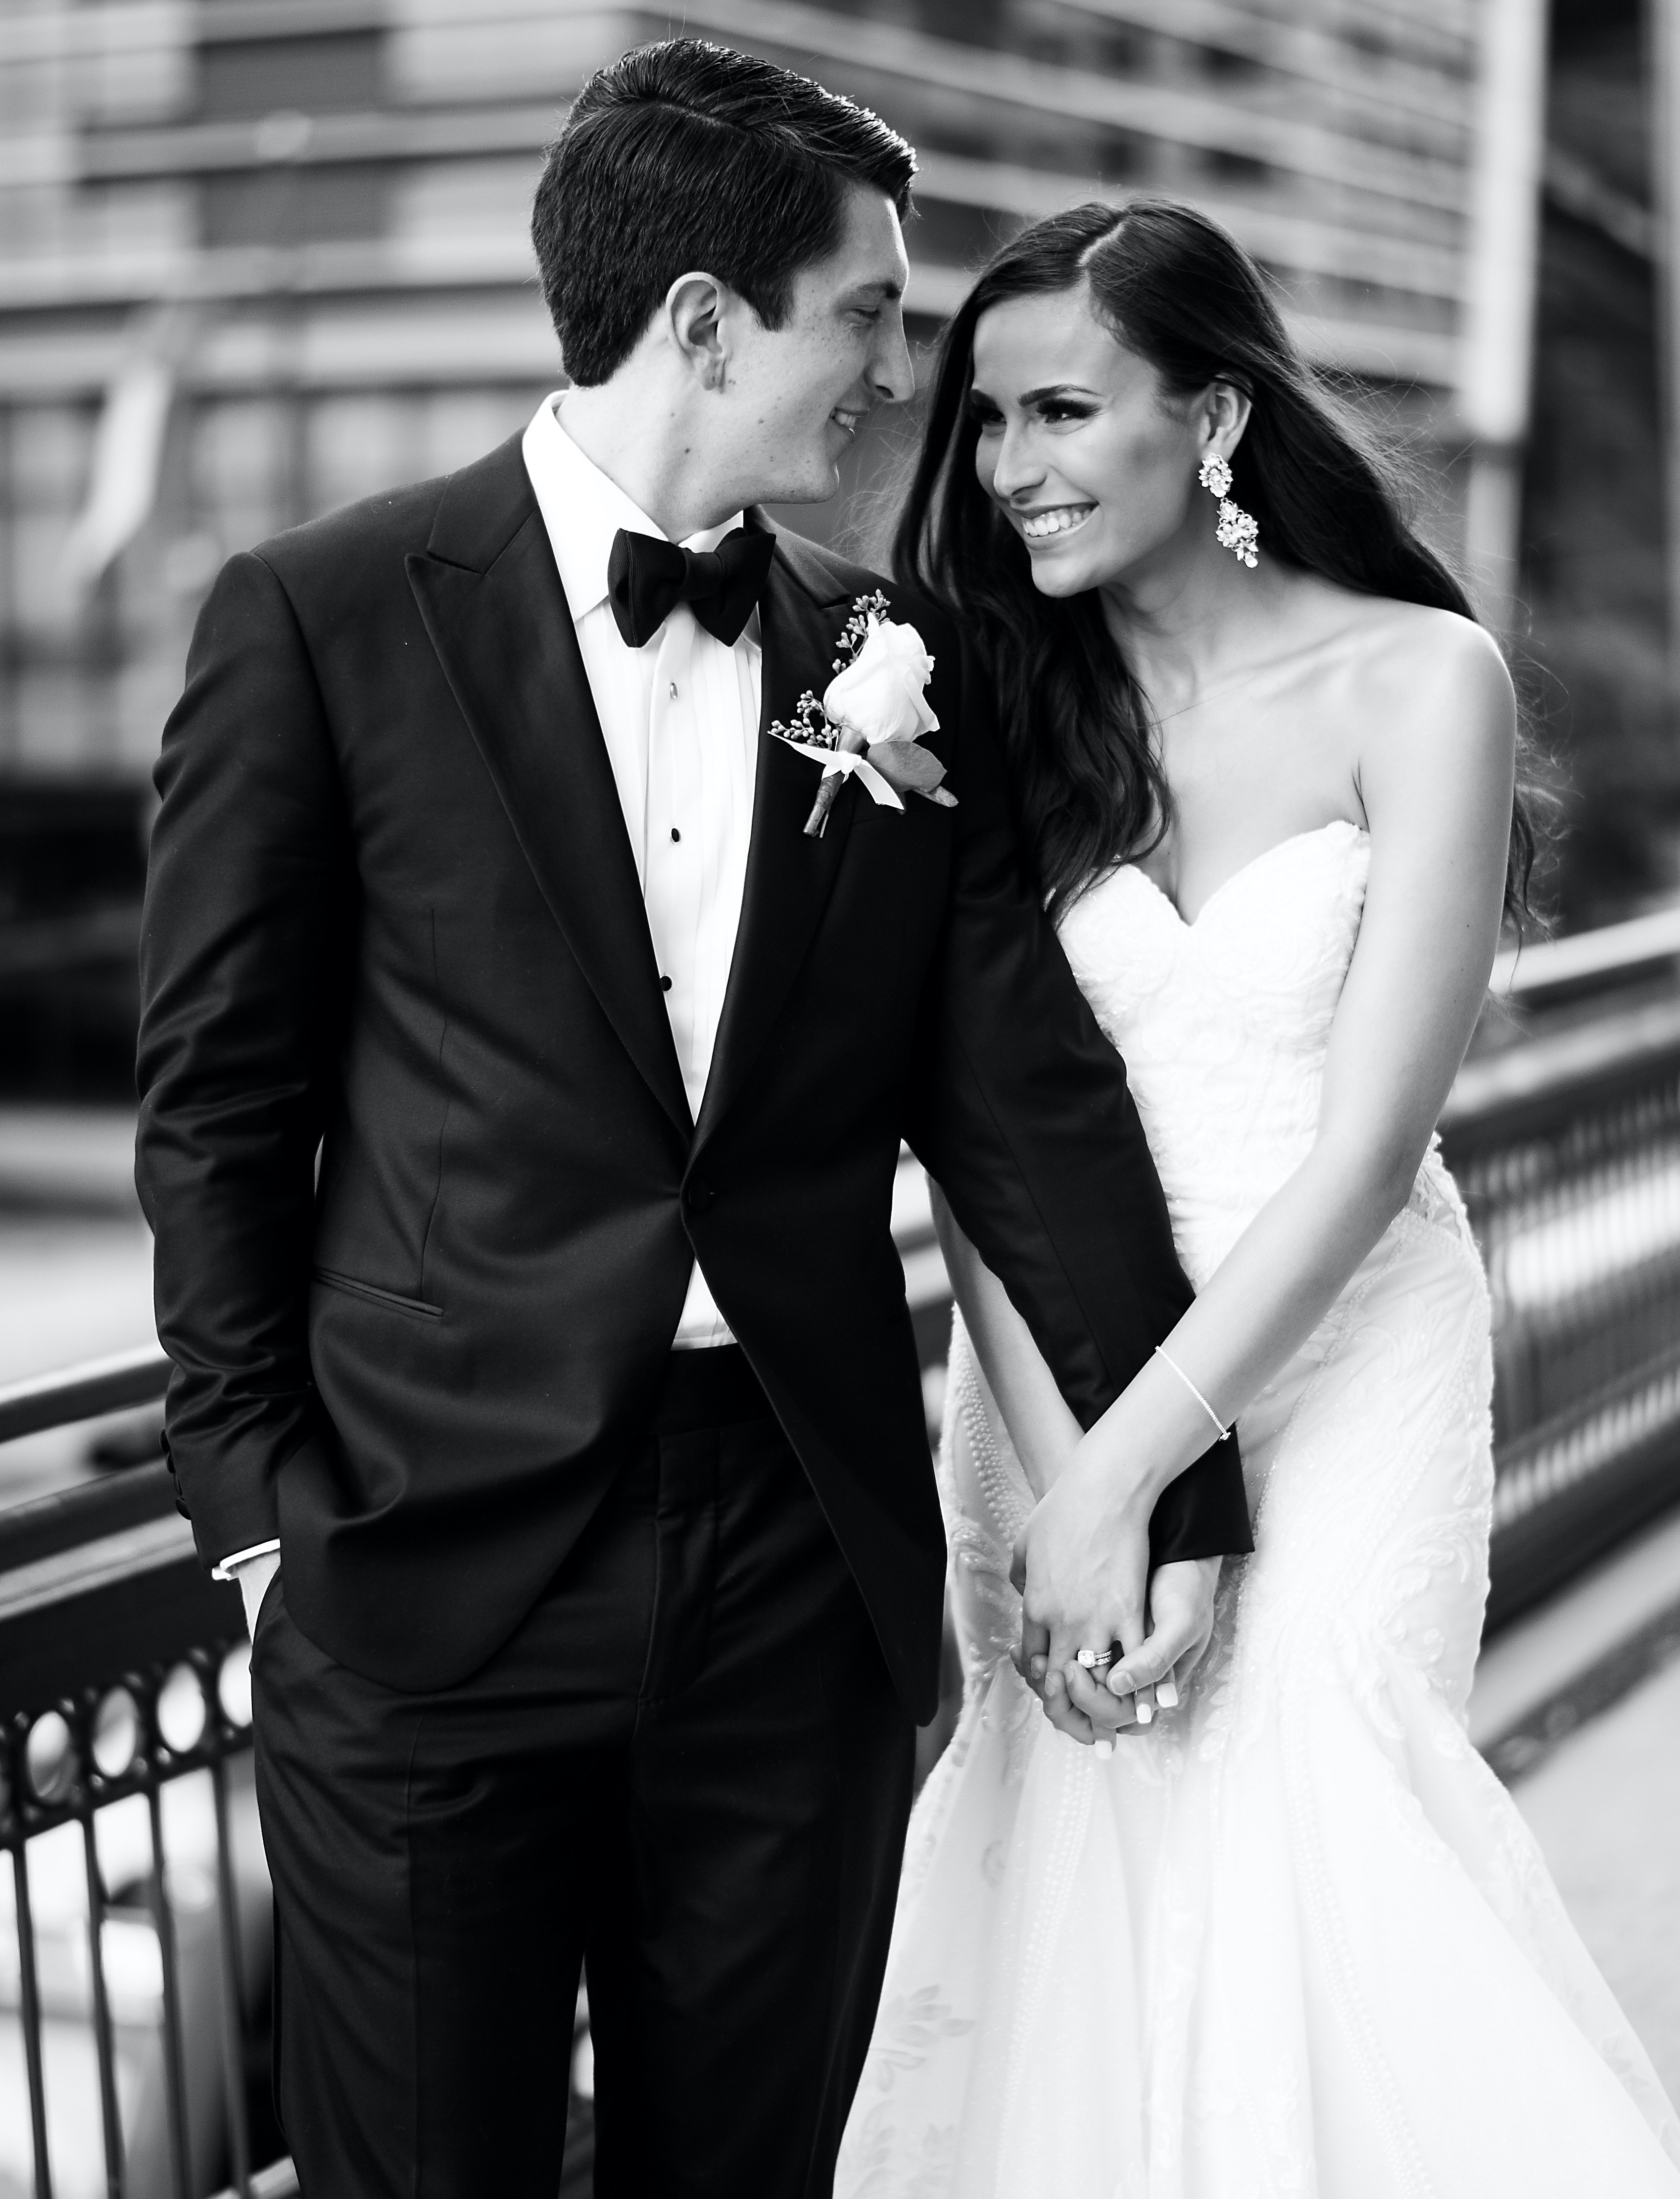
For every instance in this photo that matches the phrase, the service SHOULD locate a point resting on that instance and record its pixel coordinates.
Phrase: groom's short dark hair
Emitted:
(688, 155)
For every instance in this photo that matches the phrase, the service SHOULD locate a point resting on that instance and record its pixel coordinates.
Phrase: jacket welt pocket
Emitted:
(334, 1281)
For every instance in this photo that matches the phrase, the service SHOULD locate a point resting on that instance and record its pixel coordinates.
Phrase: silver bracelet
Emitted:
(1163, 1353)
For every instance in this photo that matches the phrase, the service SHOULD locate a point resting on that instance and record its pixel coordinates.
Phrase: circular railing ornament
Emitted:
(49, 1757)
(182, 1711)
(113, 1737)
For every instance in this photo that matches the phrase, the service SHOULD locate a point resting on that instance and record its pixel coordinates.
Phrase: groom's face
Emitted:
(801, 393)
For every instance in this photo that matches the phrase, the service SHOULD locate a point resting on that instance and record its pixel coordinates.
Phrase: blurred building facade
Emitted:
(258, 257)
(1601, 493)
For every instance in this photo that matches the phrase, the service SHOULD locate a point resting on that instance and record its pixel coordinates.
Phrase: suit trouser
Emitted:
(688, 1769)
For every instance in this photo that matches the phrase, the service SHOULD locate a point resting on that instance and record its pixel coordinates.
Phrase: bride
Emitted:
(1289, 1936)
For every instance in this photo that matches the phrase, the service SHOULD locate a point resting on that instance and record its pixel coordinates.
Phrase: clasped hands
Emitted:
(1082, 1564)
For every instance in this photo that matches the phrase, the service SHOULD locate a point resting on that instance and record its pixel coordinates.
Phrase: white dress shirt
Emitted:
(680, 717)
(681, 720)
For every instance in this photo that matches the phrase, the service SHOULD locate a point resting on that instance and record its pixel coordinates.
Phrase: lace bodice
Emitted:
(1224, 1024)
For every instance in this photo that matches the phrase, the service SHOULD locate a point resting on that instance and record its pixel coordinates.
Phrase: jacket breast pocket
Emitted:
(421, 1308)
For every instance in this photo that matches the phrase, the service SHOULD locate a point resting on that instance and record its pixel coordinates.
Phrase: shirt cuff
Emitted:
(230, 1566)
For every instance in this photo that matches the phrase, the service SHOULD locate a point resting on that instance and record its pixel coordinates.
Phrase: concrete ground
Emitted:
(1605, 1806)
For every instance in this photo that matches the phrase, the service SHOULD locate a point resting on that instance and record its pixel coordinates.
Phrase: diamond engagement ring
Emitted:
(1094, 1660)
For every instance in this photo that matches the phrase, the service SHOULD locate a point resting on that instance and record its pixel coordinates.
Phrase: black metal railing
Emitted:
(125, 1788)
(1567, 1151)
(136, 1994)
(126, 1808)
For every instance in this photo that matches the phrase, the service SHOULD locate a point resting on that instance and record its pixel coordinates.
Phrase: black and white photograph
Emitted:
(840, 1099)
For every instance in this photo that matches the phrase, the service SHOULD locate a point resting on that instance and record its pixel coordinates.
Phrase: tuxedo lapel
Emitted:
(497, 617)
(788, 876)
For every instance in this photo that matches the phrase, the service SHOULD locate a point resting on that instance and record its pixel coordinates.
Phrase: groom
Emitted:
(564, 1424)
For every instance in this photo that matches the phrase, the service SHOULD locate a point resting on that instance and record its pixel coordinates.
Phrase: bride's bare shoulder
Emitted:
(1436, 719)
(1418, 668)
(1415, 638)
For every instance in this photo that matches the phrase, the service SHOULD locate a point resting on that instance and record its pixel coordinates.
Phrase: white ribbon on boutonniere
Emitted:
(872, 714)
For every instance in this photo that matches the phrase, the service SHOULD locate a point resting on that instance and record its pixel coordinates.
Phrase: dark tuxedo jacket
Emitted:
(392, 918)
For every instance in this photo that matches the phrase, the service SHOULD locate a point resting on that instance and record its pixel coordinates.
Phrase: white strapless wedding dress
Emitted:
(1295, 1942)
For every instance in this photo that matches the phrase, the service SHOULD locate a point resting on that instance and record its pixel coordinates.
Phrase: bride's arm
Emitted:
(1041, 1426)
(1436, 793)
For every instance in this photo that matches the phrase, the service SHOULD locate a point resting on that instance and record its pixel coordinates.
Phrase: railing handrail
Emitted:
(66, 1394)
(1612, 950)
(1496, 1091)
(65, 1518)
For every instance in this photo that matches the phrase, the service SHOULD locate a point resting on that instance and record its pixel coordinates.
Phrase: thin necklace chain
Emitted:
(1230, 688)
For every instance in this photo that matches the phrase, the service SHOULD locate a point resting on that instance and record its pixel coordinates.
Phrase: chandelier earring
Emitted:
(1238, 531)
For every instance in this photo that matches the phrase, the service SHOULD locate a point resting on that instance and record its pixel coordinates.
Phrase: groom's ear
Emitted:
(696, 317)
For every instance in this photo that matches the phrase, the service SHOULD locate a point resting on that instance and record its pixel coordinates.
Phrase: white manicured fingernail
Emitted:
(1105, 1749)
(1167, 1695)
(1146, 1711)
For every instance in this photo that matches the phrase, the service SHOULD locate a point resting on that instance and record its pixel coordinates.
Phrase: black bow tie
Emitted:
(647, 579)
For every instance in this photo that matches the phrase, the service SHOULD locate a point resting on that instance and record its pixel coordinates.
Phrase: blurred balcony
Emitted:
(308, 221)
(260, 257)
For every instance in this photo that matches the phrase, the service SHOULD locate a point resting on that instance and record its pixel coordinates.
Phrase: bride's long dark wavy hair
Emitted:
(1184, 296)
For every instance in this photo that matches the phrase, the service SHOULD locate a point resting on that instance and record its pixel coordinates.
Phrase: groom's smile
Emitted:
(839, 352)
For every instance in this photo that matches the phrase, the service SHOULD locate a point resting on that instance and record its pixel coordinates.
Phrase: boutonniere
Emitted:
(872, 714)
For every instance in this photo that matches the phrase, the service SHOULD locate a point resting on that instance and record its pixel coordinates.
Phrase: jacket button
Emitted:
(699, 1195)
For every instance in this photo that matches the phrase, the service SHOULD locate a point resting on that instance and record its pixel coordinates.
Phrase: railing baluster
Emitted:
(29, 1996)
(103, 2045)
(233, 1987)
(174, 2069)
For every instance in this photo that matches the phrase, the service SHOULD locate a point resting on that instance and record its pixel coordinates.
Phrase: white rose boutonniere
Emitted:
(872, 714)
(881, 693)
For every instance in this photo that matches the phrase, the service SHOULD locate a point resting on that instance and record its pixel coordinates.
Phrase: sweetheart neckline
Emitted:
(1293, 840)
